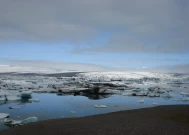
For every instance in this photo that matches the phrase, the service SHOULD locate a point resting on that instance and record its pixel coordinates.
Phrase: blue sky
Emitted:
(109, 33)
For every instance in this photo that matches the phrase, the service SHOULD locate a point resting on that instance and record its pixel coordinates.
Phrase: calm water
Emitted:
(52, 106)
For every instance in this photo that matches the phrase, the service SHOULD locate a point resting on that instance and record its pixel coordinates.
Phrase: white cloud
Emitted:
(149, 26)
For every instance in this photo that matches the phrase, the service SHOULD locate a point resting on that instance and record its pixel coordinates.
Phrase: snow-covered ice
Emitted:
(3, 115)
(100, 106)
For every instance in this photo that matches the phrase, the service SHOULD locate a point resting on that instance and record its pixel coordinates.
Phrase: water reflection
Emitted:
(90, 96)
(52, 106)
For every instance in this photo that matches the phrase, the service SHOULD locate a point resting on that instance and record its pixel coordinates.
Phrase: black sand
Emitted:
(162, 120)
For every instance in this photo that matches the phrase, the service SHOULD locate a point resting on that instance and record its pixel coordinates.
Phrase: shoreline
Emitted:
(169, 119)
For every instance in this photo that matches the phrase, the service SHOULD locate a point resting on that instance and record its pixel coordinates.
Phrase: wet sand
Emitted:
(162, 120)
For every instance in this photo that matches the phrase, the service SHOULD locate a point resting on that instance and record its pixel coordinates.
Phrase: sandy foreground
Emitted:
(162, 120)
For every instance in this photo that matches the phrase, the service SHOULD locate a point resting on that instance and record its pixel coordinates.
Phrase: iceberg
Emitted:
(34, 100)
(29, 120)
(14, 107)
(185, 99)
(154, 103)
(13, 123)
(100, 106)
(26, 94)
(184, 94)
(3, 115)
(141, 101)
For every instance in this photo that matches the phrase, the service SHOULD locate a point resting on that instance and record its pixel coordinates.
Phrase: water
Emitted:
(52, 106)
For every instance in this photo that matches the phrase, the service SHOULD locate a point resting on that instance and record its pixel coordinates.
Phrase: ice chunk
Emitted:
(13, 123)
(34, 100)
(153, 94)
(185, 99)
(177, 99)
(73, 111)
(141, 101)
(100, 106)
(2, 98)
(13, 98)
(184, 94)
(127, 94)
(29, 120)
(3, 115)
(26, 94)
(14, 107)
(154, 103)
(167, 96)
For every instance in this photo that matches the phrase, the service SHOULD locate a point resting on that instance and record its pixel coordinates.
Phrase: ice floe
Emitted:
(154, 103)
(14, 107)
(13, 123)
(100, 106)
(141, 101)
(3, 115)
(34, 100)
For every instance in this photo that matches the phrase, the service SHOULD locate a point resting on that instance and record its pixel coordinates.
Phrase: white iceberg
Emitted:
(100, 106)
(154, 103)
(127, 94)
(29, 120)
(177, 99)
(3, 115)
(184, 94)
(13, 123)
(2, 99)
(34, 100)
(141, 101)
(13, 98)
(185, 99)
(167, 96)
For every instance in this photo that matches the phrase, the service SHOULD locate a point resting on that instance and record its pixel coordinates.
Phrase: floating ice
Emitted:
(73, 111)
(153, 94)
(167, 96)
(177, 99)
(184, 94)
(13, 98)
(100, 106)
(154, 103)
(141, 101)
(127, 94)
(29, 120)
(3, 115)
(185, 99)
(13, 123)
(14, 107)
(34, 100)
(26, 94)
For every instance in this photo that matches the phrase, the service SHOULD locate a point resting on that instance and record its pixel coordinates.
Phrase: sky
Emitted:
(95, 34)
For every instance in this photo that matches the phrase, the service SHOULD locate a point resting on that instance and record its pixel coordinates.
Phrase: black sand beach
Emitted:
(162, 120)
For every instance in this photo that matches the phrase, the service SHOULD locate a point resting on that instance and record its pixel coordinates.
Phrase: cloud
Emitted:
(147, 26)
(136, 60)
(179, 68)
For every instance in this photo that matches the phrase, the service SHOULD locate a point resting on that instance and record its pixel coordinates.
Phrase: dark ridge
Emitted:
(68, 74)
